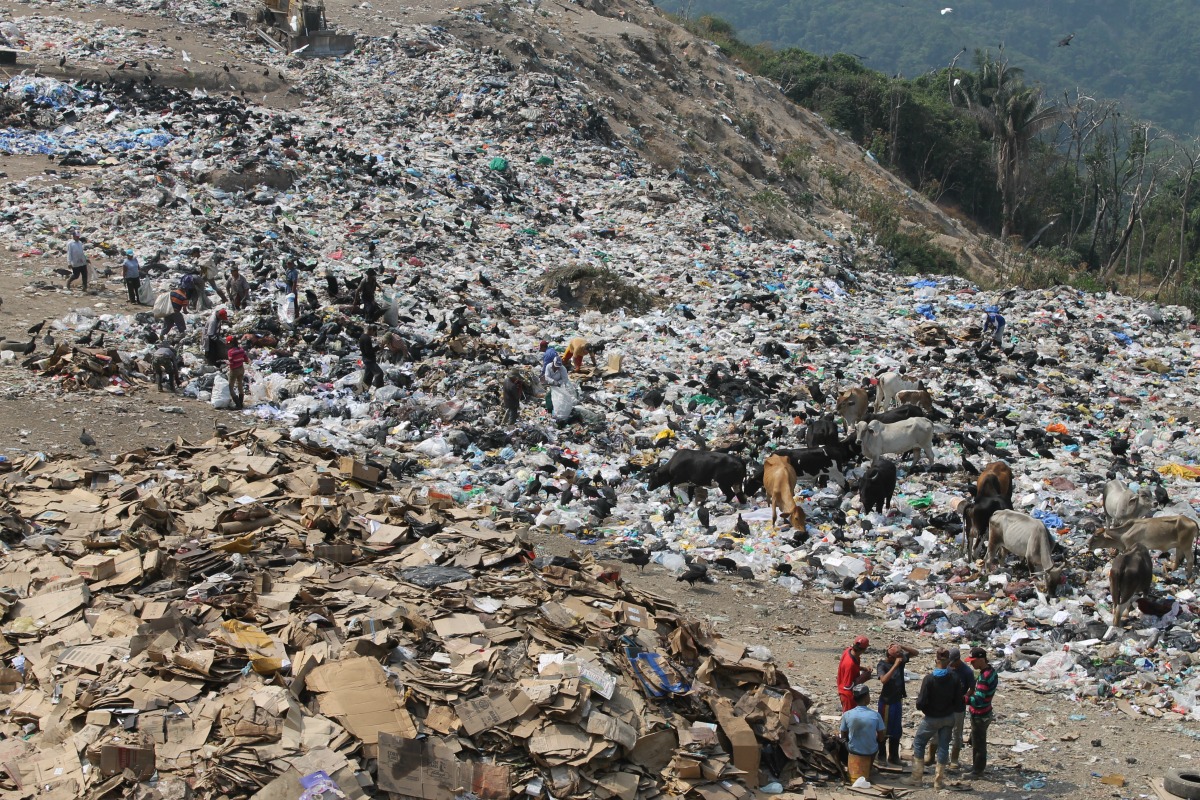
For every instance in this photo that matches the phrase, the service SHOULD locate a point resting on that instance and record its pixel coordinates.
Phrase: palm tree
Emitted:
(1012, 114)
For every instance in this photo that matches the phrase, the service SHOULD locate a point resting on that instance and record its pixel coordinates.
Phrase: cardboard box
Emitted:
(214, 485)
(95, 567)
(138, 757)
(844, 604)
(359, 471)
(324, 485)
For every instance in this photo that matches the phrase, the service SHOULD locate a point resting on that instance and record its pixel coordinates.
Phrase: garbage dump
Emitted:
(499, 211)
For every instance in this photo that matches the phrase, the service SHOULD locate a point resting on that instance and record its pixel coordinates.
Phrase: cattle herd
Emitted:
(902, 418)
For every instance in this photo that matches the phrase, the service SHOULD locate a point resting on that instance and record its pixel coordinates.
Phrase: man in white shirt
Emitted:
(77, 260)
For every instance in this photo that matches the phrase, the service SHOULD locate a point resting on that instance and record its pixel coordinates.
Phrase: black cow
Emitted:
(878, 485)
(694, 468)
(897, 414)
(822, 431)
(976, 516)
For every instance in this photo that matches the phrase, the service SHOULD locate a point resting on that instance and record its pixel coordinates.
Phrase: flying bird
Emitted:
(1066, 41)
(946, 11)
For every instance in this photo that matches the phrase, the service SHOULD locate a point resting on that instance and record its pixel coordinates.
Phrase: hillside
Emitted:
(1119, 51)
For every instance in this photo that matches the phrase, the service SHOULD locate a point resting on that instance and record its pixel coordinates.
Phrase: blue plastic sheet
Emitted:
(1052, 521)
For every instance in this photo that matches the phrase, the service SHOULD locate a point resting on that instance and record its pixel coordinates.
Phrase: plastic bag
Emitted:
(162, 305)
(433, 447)
(391, 316)
(220, 393)
(146, 293)
(563, 399)
(287, 308)
(1054, 665)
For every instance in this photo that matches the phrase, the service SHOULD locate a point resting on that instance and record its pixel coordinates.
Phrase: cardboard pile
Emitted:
(241, 619)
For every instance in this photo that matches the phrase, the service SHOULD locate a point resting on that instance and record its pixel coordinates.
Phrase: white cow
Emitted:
(1175, 532)
(877, 438)
(1122, 505)
(1027, 538)
(889, 384)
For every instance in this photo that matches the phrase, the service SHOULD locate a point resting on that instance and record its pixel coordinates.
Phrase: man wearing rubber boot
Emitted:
(936, 702)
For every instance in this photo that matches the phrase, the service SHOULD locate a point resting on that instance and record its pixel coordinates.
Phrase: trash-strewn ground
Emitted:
(505, 203)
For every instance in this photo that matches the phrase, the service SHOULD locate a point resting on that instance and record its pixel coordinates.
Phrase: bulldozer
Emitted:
(301, 29)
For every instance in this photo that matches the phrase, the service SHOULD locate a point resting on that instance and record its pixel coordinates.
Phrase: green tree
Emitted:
(1012, 115)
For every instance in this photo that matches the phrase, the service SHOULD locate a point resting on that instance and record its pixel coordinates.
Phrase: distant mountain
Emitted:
(1143, 54)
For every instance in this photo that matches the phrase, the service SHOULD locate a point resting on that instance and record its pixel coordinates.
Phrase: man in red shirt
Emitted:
(237, 372)
(851, 671)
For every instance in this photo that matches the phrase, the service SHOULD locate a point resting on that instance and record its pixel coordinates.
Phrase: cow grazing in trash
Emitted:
(779, 482)
(1131, 575)
(692, 468)
(1028, 539)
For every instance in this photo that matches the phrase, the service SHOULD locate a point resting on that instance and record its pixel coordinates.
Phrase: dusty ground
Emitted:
(35, 415)
(808, 639)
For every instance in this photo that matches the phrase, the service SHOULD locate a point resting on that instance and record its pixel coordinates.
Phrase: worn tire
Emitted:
(1183, 783)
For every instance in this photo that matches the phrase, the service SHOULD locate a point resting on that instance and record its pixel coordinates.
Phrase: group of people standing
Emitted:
(950, 694)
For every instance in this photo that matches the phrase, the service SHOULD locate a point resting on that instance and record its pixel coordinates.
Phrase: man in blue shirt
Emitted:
(131, 271)
(995, 324)
(863, 730)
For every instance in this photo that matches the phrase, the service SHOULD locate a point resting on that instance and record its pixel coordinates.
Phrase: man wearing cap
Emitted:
(131, 271)
(966, 679)
(891, 696)
(851, 672)
(238, 289)
(979, 705)
(863, 730)
(936, 701)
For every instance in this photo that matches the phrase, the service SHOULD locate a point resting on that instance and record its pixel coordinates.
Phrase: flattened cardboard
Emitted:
(485, 713)
(427, 769)
(356, 693)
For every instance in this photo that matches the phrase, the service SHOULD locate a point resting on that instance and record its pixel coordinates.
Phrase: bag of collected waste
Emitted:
(287, 308)
(391, 317)
(1054, 665)
(220, 393)
(563, 398)
(146, 293)
(162, 305)
(434, 447)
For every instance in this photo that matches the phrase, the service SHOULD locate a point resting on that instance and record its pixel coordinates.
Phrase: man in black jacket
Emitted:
(940, 692)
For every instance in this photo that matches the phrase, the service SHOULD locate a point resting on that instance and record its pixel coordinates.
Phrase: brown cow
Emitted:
(1176, 533)
(995, 480)
(852, 406)
(918, 397)
(1131, 574)
(779, 482)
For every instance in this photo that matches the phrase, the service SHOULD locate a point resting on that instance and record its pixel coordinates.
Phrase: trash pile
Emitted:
(250, 618)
